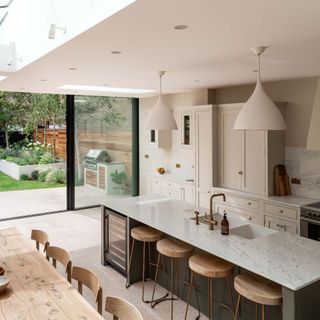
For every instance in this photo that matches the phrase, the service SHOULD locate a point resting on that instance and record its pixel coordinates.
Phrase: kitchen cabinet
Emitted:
(159, 139)
(153, 185)
(188, 194)
(247, 158)
(280, 224)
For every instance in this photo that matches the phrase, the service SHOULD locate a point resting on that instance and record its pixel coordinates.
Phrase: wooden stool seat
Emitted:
(146, 234)
(174, 248)
(258, 289)
(210, 266)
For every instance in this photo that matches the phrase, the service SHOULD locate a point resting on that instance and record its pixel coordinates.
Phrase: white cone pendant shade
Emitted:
(259, 112)
(160, 116)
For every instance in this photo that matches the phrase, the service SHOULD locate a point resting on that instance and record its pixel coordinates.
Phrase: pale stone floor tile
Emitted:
(79, 232)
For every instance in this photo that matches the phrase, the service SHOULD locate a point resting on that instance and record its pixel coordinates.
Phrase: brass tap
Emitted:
(197, 216)
(213, 222)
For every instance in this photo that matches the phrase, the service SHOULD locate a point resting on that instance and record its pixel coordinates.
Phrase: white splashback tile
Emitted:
(305, 165)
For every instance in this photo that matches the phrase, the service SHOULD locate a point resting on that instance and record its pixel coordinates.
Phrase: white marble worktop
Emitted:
(173, 177)
(292, 200)
(290, 260)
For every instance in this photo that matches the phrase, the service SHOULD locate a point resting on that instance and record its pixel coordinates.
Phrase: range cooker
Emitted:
(310, 221)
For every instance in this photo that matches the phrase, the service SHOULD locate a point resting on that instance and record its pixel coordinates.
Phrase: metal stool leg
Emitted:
(172, 273)
(143, 271)
(262, 311)
(257, 311)
(230, 294)
(192, 284)
(130, 260)
(155, 280)
(237, 308)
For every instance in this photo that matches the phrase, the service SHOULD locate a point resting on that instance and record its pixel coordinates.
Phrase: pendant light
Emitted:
(160, 116)
(259, 112)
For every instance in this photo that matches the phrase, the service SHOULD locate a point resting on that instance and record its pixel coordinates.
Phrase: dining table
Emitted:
(36, 289)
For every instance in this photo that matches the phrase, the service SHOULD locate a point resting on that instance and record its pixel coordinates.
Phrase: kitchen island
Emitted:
(289, 260)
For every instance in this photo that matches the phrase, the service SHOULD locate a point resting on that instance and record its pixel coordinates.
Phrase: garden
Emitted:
(27, 159)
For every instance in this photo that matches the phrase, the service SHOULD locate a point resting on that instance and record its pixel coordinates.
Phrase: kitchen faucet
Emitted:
(213, 222)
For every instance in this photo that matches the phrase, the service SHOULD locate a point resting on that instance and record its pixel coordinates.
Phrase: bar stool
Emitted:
(174, 249)
(259, 290)
(213, 268)
(148, 235)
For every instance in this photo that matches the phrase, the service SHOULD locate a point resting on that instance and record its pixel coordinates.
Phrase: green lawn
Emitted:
(9, 184)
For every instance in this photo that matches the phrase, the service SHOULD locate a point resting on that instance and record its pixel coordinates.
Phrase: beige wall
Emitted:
(299, 93)
(165, 157)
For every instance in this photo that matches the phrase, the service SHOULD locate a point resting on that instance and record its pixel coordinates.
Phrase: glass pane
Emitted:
(103, 149)
(153, 136)
(186, 130)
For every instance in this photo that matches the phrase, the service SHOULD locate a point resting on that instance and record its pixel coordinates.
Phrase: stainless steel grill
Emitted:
(95, 156)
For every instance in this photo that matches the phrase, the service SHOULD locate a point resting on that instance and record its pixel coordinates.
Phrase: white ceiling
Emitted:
(214, 49)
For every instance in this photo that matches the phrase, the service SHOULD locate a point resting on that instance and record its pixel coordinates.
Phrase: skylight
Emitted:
(105, 89)
(3, 77)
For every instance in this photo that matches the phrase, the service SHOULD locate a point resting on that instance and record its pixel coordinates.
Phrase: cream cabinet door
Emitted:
(188, 194)
(231, 146)
(154, 186)
(254, 170)
(203, 156)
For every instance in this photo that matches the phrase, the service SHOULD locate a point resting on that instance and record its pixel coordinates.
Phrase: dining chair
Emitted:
(40, 237)
(122, 309)
(91, 281)
(61, 255)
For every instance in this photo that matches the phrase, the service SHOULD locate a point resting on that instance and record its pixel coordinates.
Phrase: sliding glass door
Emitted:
(104, 149)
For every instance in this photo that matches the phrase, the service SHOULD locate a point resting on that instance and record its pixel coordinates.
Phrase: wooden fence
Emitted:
(117, 143)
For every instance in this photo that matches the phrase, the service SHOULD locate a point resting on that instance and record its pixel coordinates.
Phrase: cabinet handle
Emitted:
(208, 192)
(280, 211)
(249, 218)
(249, 203)
(240, 172)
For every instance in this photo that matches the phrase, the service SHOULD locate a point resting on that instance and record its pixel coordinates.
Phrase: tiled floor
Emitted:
(79, 233)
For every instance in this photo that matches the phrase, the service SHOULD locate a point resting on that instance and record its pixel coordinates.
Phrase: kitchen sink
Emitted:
(251, 231)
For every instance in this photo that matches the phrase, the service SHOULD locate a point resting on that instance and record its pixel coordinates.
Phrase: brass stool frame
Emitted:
(210, 296)
(143, 266)
(173, 265)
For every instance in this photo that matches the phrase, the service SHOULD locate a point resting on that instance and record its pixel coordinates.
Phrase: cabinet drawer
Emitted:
(281, 210)
(169, 185)
(247, 203)
(172, 194)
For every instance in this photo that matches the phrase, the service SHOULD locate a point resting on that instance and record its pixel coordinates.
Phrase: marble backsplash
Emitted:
(305, 165)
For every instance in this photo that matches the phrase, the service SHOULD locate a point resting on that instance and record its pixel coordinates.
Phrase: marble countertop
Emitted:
(290, 260)
(173, 177)
(292, 200)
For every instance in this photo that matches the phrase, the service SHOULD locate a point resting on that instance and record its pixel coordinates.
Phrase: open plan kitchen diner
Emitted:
(159, 160)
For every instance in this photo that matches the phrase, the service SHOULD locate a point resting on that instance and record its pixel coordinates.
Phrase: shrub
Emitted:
(42, 175)
(3, 153)
(56, 176)
(47, 158)
(24, 177)
(35, 174)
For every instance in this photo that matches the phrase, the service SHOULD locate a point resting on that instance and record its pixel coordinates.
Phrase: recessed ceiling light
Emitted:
(197, 80)
(104, 89)
(21, 88)
(43, 80)
(106, 84)
(255, 71)
(116, 52)
(3, 77)
(181, 27)
(72, 68)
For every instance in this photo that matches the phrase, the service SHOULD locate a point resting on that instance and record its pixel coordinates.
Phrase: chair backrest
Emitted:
(122, 309)
(90, 280)
(61, 255)
(40, 237)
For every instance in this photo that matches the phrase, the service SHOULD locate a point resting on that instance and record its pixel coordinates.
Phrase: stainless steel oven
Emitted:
(310, 221)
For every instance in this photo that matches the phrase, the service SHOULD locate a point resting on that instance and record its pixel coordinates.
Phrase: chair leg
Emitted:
(130, 260)
(237, 308)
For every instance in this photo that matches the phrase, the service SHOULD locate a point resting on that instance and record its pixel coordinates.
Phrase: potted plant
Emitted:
(121, 179)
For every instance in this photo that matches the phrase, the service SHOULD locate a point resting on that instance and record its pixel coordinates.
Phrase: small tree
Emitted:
(14, 112)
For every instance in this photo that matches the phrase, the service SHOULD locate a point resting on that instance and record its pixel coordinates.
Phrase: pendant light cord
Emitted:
(259, 77)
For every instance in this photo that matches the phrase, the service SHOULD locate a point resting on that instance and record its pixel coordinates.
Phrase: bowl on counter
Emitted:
(4, 281)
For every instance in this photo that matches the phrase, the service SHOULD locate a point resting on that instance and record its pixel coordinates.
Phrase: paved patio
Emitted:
(29, 202)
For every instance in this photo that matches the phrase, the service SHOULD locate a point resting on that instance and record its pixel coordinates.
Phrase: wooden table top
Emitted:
(36, 290)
